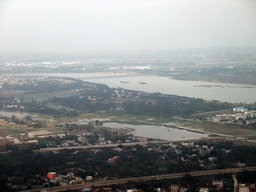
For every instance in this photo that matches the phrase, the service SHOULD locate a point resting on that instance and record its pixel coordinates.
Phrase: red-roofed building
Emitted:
(51, 175)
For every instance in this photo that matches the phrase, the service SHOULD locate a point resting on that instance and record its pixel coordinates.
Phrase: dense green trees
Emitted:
(131, 161)
(25, 163)
(154, 104)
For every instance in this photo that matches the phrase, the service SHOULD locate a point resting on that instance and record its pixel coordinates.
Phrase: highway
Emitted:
(136, 179)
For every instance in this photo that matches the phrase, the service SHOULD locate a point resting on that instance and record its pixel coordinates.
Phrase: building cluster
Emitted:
(62, 180)
(82, 139)
(21, 80)
(188, 152)
(214, 185)
(28, 82)
(243, 116)
(48, 65)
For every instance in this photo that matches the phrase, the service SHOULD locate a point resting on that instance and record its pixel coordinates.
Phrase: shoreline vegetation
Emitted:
(229, 81)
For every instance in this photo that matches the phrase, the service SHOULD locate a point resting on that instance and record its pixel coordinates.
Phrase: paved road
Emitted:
(100, 146)
(124, 144)
(136, 179)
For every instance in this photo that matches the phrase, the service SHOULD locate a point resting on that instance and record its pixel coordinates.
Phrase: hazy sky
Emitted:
(84, 25)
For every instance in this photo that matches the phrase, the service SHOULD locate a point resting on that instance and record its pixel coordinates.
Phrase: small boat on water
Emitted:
(124, 82)
(142, 83)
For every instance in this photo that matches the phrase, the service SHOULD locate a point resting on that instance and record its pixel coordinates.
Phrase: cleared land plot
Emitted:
(39, 96)
(221, 128)
(140, 119)
(7, 128)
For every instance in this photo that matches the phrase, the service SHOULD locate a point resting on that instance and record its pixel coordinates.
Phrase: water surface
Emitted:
(158, 132)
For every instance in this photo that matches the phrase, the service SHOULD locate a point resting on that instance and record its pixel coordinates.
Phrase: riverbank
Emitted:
(193, 87)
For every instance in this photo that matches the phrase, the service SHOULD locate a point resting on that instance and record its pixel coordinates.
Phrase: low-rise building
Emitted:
(217, 184)
(243, 188)
(51, 175)
(204, 190)
(240, 109)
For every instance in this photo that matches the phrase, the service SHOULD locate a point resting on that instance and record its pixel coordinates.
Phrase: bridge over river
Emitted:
(107, 76)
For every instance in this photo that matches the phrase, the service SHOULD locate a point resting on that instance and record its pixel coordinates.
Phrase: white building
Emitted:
(240, 109)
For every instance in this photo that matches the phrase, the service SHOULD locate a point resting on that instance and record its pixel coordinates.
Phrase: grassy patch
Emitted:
(55, 106)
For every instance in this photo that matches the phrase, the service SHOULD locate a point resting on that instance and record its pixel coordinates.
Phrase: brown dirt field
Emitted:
(221, 128)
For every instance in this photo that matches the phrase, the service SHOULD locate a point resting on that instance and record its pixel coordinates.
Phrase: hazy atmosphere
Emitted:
(85, 25)
(128, 95)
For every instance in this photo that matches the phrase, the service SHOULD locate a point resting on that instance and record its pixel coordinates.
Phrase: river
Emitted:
(206, 90)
